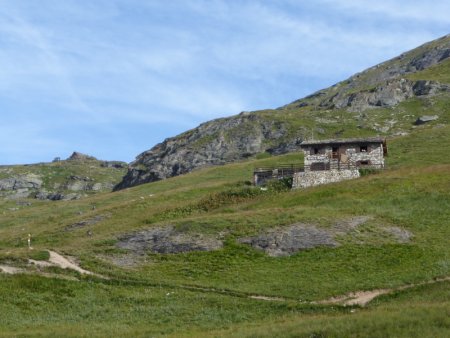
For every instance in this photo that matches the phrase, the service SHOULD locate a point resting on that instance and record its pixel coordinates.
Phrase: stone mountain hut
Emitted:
(335, 160)
(328, 161)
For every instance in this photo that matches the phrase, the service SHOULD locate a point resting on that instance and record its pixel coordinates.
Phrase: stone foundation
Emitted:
(313, 178)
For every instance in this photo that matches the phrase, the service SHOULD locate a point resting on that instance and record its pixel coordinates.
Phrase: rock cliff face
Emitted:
(215, 142)
(60, 180)
(229, 139)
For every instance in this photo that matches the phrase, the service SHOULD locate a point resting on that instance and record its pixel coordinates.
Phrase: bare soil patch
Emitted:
(167, 240)
(285, 241)
(10, 269)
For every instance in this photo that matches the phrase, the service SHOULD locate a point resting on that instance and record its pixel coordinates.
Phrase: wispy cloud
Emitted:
(86, 72)
(419, 11)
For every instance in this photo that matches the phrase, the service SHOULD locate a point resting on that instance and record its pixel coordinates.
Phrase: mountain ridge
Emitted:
(324, 113)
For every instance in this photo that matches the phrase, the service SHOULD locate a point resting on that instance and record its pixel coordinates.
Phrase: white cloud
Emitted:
(436, 12)
(97, 65)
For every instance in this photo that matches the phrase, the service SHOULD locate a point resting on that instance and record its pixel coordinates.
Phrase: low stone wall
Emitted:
(313, 178)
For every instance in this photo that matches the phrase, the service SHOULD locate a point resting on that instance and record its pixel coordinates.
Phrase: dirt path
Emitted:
(55, 260)
(65, 263)
(355, 298)
(10, 269)
(362, 298)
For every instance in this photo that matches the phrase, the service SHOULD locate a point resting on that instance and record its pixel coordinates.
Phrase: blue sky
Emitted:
(112, 78)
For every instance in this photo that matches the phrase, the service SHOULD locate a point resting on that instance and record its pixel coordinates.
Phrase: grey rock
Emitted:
(21, 182)
(55, 196)
(97, 187)
(283, 242)
(426, 118)
(213, 143)
(7, 183)
(77, 156)
(70, 197)
(19, 194)
(387, 94)
(80, 178)
(42, 195)
(167, 241)
(114, 164)
(77, 186)
(296, 237)
(88, 222)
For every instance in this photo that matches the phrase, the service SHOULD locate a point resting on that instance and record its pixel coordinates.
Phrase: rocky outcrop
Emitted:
(76, 156)
(382, 78)
(114, 164)
(213, 143)
(45, 181)
(20, 186)
(167, 241)
(387, 94)
(21, 182)
(57, 196)
(425, 119)
(285, 241)
(237, 137)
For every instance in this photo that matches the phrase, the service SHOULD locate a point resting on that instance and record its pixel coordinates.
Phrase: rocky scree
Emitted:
(285, 241)
(167, 240)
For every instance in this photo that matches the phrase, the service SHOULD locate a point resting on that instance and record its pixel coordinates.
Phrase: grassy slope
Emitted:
(149, 298)
(413, 194)
(58, 173)
(422, 312)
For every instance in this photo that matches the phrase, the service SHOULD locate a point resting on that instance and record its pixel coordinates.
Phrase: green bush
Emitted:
(283, 184)
(42, 255)
(368, 171)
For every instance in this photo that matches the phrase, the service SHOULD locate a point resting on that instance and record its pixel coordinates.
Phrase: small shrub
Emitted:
(283, 184)
(262, 156)
(368, 171)
(42, 255)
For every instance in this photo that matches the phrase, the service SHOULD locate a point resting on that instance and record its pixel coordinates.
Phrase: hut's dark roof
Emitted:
(343, 141)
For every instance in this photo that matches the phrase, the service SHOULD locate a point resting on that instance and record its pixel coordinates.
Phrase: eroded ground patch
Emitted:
(284, 241)
(167, 240)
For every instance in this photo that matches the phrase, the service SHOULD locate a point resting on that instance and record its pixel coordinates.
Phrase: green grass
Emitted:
(413, 194)
(56, 174)
(439, 72)
(421, 312)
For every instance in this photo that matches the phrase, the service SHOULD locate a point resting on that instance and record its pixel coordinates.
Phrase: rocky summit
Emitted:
(78, 176)
(77, 156)
(413, 83)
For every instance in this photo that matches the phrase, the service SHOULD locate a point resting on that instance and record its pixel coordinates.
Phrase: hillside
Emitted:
(78, 176)
(207, 254)
(390, 230)
(383, 100)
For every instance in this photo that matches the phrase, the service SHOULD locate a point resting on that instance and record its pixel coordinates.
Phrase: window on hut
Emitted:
(317, 166)
(335, 152)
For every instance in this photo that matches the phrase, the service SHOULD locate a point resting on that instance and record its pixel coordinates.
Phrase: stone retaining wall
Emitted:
(313, 178)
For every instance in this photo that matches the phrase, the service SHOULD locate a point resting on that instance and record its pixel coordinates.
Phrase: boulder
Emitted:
(76, 156)
(425, 119)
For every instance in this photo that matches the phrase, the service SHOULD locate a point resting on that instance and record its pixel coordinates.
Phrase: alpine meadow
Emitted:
(182, 243)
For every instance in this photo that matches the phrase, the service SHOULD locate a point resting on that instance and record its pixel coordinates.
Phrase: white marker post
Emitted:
(29, 241)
